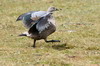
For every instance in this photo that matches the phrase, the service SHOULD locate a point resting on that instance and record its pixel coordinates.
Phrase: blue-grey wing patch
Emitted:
(23, 15)
(28, 22)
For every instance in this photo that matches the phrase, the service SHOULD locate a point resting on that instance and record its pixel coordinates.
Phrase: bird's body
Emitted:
(41, 24)
(42, 29)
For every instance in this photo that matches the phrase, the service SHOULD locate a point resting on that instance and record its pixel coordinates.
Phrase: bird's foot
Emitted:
(33, 46)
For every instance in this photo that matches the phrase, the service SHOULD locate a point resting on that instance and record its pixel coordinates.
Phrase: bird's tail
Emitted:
(22, 35)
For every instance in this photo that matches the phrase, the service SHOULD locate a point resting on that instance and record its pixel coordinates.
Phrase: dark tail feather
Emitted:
(22, 35)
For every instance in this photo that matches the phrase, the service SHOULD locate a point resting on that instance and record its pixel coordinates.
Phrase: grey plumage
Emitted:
(23, 15)
(27, 21)
(32, 17)
(47, 25)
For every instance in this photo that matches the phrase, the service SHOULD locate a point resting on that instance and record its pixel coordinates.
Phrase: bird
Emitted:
(44, 27)
(31, 17)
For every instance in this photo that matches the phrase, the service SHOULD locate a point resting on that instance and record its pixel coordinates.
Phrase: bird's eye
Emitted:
(53, 8)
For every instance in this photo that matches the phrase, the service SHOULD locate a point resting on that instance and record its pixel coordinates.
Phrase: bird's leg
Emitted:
(51, 40)
(34, 43)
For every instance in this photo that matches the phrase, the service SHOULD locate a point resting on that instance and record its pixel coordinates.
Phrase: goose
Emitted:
(44, 27)
(31, 17)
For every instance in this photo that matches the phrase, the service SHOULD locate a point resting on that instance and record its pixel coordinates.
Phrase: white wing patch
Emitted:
(27, 34)
(37, 15)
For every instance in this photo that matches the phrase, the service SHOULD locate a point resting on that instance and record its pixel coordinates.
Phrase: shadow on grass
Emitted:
(62, 46)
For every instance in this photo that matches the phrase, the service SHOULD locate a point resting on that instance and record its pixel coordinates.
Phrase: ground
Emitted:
(78, 29)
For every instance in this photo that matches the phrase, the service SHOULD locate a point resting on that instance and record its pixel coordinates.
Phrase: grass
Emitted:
(78, 28)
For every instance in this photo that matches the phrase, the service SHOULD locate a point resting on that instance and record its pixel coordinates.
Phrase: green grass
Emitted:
(78, 28)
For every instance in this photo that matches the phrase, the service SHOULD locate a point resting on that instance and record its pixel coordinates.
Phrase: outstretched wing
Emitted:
(23, 15)
(27, 21)
(31, 17)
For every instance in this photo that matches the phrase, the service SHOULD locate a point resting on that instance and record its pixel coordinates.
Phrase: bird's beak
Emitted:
(58, 9)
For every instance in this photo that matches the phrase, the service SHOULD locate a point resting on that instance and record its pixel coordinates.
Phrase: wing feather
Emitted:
(23, 15)
(44, 23)
(27, 21)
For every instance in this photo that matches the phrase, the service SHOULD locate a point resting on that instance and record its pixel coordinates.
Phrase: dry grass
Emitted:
(78, 28)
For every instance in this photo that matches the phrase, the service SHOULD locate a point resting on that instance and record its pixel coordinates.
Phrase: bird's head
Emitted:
(52, 9)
